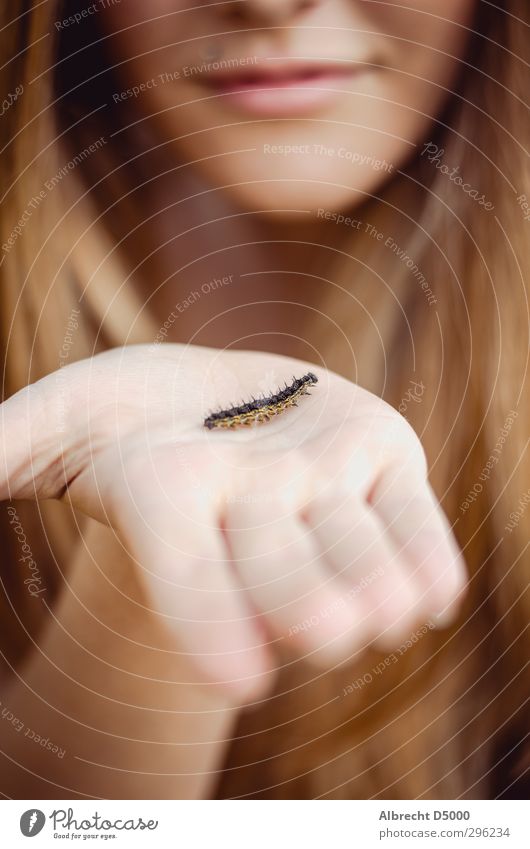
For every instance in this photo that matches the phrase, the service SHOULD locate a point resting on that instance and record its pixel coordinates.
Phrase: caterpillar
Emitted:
(260, 410)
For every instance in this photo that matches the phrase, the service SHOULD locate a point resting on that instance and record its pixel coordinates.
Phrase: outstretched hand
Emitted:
(318, 528)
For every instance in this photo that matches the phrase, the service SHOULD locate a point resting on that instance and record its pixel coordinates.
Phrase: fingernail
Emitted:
(444, 618)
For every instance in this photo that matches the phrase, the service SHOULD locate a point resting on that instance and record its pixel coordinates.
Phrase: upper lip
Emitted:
(271, 70)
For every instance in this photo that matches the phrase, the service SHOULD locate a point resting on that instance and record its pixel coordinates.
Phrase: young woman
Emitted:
(201, 203)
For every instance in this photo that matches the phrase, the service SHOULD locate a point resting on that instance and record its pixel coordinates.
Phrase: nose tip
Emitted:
(270, 12)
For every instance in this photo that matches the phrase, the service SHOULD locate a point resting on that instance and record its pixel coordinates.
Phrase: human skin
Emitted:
(234, 539)
(146, 612)
(395, 64)
(404, 59)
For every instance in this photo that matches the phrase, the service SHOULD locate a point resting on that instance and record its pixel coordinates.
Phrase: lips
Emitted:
(282, 88)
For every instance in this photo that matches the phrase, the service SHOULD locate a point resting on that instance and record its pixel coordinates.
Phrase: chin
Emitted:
(298, 196)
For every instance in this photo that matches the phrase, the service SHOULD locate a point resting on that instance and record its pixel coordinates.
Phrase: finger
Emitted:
(353, 543)
(187, 573)
(277, 562)
(424, 540)
(29, 446)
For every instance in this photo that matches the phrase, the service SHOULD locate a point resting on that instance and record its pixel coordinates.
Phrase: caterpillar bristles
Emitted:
(263, 408)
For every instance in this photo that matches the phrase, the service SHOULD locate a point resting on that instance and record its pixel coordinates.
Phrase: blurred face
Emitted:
(291, 104)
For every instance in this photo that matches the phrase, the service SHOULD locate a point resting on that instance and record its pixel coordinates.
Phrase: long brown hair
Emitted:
(438, 321)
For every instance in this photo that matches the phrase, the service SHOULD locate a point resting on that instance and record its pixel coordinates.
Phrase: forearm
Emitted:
(105, 690)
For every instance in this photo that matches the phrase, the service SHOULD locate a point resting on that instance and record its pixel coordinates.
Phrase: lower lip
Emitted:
(277, 97)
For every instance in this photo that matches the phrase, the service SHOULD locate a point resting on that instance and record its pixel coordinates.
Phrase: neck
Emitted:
(263, 269)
